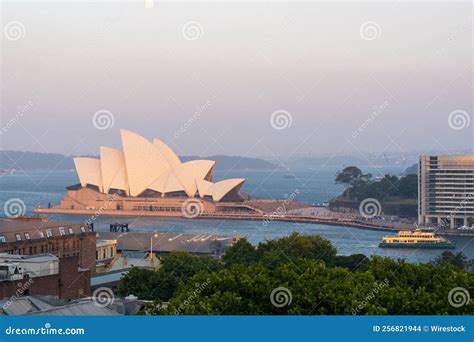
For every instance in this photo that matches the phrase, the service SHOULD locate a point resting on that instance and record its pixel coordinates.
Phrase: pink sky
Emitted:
(311, 60)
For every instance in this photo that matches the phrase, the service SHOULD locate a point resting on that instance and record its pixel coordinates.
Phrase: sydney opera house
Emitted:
(148, 177)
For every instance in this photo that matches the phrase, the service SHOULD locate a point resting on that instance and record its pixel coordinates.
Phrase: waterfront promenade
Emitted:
(335, 219)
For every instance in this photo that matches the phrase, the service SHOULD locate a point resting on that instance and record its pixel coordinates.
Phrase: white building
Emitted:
(446, 191)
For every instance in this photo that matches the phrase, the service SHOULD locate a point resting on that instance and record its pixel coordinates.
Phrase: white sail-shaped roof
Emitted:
(150, 165)
(144, 162)
(167, 153)
(203, 187)
(220, 189)
(89, 171)
(167, 183)
(183, 177)
(192, 170)
(114, 173)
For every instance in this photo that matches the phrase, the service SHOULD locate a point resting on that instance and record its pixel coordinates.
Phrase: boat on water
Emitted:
(416, 239)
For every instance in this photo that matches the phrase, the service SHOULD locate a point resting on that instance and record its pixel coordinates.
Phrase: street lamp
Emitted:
(155, 235)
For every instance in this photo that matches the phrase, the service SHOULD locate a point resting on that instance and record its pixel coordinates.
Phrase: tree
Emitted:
(161, 285)
(354, 262)
(179, 267)
(353, 178)
(242, 252)
(408, 186)
(291, 248)
(348, 175)
(309, 277)
(137, 281)
(447, 257)
(387, 287)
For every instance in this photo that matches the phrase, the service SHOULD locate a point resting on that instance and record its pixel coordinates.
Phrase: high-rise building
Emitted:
(446, 191)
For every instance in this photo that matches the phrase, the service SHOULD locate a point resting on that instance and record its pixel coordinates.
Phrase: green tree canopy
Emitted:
(242, 252)
(447, 257)
(388, 287)
(161, 285)
(349, 175)
(294, 247)
(309, 274)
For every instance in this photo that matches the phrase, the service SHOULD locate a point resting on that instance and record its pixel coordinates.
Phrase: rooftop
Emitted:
(107, 278)
(104, 242)
(21, 229)
(51, 306)
(167, 242)
(29, 223)
(36, 258)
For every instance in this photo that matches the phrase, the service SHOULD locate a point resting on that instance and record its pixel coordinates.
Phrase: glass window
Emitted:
(18, 237)
(2, 239)
(83, 229)
(41, 234)
(70, 230)
(27, 236)
(49, 232)
(62, 231)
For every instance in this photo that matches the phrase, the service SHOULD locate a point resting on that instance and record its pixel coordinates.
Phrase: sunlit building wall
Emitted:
(446, 191)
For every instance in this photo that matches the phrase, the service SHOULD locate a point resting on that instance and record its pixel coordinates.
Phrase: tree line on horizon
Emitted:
(360, 186)
(35, 161)
(398, 195)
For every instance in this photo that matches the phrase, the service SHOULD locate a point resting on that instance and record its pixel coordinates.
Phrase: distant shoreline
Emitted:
(22, 161)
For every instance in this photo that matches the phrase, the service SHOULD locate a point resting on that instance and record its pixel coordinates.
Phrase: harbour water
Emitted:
(41, 188)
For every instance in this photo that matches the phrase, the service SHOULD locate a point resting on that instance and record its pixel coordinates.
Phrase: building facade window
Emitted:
(18, 237)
